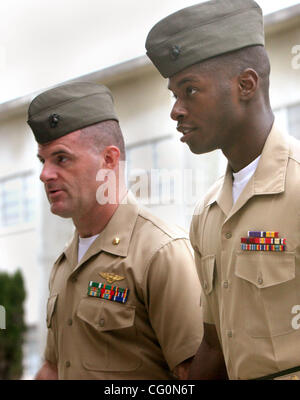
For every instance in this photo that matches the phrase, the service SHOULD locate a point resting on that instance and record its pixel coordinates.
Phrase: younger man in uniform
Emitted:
(246, 231)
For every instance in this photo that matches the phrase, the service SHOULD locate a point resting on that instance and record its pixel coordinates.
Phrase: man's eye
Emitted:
(190, 91)
(62, 159)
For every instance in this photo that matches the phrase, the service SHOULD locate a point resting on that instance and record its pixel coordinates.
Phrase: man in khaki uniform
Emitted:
(246, 231)
(124, 297)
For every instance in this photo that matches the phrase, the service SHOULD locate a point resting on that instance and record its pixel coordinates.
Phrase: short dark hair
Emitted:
(235, 62)
(103, 134)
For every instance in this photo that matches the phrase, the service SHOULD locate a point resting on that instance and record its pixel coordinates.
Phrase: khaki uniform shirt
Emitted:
(249, 295)
(158, 327)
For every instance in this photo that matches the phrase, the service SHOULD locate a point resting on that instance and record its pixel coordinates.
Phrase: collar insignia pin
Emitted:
(116, 241)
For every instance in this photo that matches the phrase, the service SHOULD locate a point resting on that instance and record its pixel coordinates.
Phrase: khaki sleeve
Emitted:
(50, 354)
(173, 293)
(207, 314)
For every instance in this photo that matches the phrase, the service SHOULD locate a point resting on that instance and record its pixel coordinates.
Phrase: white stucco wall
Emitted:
(143, 105)
(46, 42)
(18, 148)
(285, 78)
(18, 243)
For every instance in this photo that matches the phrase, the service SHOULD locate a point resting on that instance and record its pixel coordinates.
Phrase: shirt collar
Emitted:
(116, 236)
(245, 173)
(269, 177)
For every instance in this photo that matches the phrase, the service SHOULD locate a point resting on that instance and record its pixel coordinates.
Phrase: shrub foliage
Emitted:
(12, 296)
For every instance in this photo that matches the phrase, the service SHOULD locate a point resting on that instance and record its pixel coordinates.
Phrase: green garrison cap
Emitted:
(203, 31)
(69, 107)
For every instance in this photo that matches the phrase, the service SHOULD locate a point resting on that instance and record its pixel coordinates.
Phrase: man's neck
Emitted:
(93, 222)
(250, 144)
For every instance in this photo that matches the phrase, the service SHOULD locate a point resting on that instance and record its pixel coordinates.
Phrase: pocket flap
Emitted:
(264, 269)
(50, 308)
(207, 273)
(105, 315)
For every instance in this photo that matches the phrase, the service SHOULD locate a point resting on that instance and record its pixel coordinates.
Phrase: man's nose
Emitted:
(48, 173)
(178, 111)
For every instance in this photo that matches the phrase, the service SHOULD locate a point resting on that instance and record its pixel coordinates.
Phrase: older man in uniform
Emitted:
(124, 297)
(246, 230)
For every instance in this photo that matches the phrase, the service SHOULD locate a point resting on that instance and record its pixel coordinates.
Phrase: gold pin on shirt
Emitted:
(111, 278)
(116, 241)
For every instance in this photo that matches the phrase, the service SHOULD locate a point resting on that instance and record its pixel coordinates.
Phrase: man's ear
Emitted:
(111, 157)
(248, 84)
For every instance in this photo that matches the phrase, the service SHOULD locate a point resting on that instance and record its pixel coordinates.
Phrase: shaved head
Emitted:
(235, 63)
(103, 134)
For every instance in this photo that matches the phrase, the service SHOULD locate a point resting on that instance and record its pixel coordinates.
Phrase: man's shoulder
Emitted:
(68, 244)
(210, 196)
(154, 226)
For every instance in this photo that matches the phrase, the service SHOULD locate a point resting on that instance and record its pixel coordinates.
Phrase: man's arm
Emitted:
(173, 300)
(209, 361)
(47, 372)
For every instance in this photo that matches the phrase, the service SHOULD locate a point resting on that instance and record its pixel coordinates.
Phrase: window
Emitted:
(17, 200)
(151, 169)
(165, 176)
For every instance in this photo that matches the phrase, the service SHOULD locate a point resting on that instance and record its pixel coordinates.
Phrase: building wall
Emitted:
(285, 78)
(143, 104)
(283, 46)
(18, 242)
(46, 42)
(59, 40)
(18, 149)
(28, 245)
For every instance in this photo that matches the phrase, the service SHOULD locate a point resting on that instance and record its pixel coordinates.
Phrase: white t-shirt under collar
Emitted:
(241, 178)
(84, 244)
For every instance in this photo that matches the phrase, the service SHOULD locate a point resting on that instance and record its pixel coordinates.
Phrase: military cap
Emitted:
(203, 31)
(67, 108)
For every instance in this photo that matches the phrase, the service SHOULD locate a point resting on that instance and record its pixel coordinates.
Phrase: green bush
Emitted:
(12, 295)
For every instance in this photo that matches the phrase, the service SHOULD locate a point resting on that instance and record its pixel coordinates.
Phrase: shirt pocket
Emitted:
(109, 335)
(206, 273)
(268, 291)
(51, 303)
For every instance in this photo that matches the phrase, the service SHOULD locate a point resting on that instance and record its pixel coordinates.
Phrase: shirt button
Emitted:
(102, 322)
(260, 281)
(228, 235)
(68, 364)
(70, 321)
(225, 284)
(229, 334)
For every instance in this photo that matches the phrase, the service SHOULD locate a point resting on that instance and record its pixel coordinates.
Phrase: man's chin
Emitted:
(60, 211)
(200, 149)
